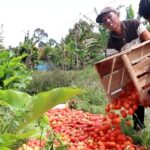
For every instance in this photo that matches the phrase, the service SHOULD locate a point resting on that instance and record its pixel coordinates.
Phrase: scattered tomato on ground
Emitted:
(86, 131)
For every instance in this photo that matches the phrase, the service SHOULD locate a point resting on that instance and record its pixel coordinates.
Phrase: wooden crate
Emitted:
(131, 65)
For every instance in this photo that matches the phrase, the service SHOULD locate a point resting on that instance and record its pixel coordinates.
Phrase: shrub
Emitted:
(47, 80)
(13, 73)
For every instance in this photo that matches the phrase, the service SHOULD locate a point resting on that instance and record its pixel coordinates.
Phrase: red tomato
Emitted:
(123, 113)
(130, 111)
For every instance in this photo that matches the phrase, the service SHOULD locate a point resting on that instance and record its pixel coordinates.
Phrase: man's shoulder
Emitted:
(131, 21)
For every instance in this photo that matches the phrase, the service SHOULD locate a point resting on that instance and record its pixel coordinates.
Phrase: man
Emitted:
(144, 9)
(121, 34)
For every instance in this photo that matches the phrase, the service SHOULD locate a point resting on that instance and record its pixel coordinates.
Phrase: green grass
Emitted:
(94, 100)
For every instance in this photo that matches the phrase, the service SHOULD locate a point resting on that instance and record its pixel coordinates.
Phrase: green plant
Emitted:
(141, 137)
(13, 73)
(128, 130)
(145, 135)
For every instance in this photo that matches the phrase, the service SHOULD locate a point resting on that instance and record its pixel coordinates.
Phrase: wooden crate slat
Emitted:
(104, 85)
(105, 82)
(126, 78)
(131, 72)
(144, 70)
(124, 81)
(119, 79)
(115, 81)
(144, 80)
(134, 55)
(104, 68)
(142, 67)
(146, 50)
(110, 79)
(135, 61)
(138, 53)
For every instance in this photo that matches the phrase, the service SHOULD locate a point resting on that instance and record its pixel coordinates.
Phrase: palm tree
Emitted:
(80, 41)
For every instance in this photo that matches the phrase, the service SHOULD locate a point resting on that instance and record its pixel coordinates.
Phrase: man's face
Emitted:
(111, 21)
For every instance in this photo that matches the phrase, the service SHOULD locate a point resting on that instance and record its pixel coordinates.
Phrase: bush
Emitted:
(47, 80)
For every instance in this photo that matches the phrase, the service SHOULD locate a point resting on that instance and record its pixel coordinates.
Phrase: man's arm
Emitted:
(145, 36)
(110, 51)
(143, 33)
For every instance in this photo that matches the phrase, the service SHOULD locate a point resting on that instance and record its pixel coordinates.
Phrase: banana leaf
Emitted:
(4, 55)
(44, 101)
(15, 60)
(33, 133)
(15, 99)
(7, 140)
(4, 148)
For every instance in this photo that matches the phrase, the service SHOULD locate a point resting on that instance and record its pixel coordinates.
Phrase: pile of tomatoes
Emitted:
(86, 131)
(36, 144)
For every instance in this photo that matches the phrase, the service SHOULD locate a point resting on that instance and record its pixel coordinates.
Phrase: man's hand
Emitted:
(132, 43)
(146, 99)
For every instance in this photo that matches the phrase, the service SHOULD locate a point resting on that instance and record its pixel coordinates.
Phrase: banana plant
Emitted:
(26, 109)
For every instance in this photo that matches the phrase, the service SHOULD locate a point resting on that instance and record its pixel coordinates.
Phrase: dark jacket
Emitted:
(129, 33)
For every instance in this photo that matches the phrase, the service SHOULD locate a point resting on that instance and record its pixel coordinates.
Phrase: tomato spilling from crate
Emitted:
(127, 101)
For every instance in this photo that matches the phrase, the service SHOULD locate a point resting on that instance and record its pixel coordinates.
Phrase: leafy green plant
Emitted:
(25, 109)
(13, 73)
(128, 130)
(145, 135)
(141, 137)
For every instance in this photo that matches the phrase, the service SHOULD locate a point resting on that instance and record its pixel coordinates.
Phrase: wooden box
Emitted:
(130, 65)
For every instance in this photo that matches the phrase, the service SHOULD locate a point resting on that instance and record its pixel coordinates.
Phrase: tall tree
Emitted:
(78, 43)
(29, 46)
(39, 35)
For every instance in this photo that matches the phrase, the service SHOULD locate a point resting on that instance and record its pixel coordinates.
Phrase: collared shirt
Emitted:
(129, 33)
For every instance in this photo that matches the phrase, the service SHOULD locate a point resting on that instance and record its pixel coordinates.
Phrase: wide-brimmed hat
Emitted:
(103, 12)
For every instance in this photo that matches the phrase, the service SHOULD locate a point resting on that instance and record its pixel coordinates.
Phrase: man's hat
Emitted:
(104, 11)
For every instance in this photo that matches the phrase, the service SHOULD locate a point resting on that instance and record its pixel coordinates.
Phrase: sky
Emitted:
(56, 17)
